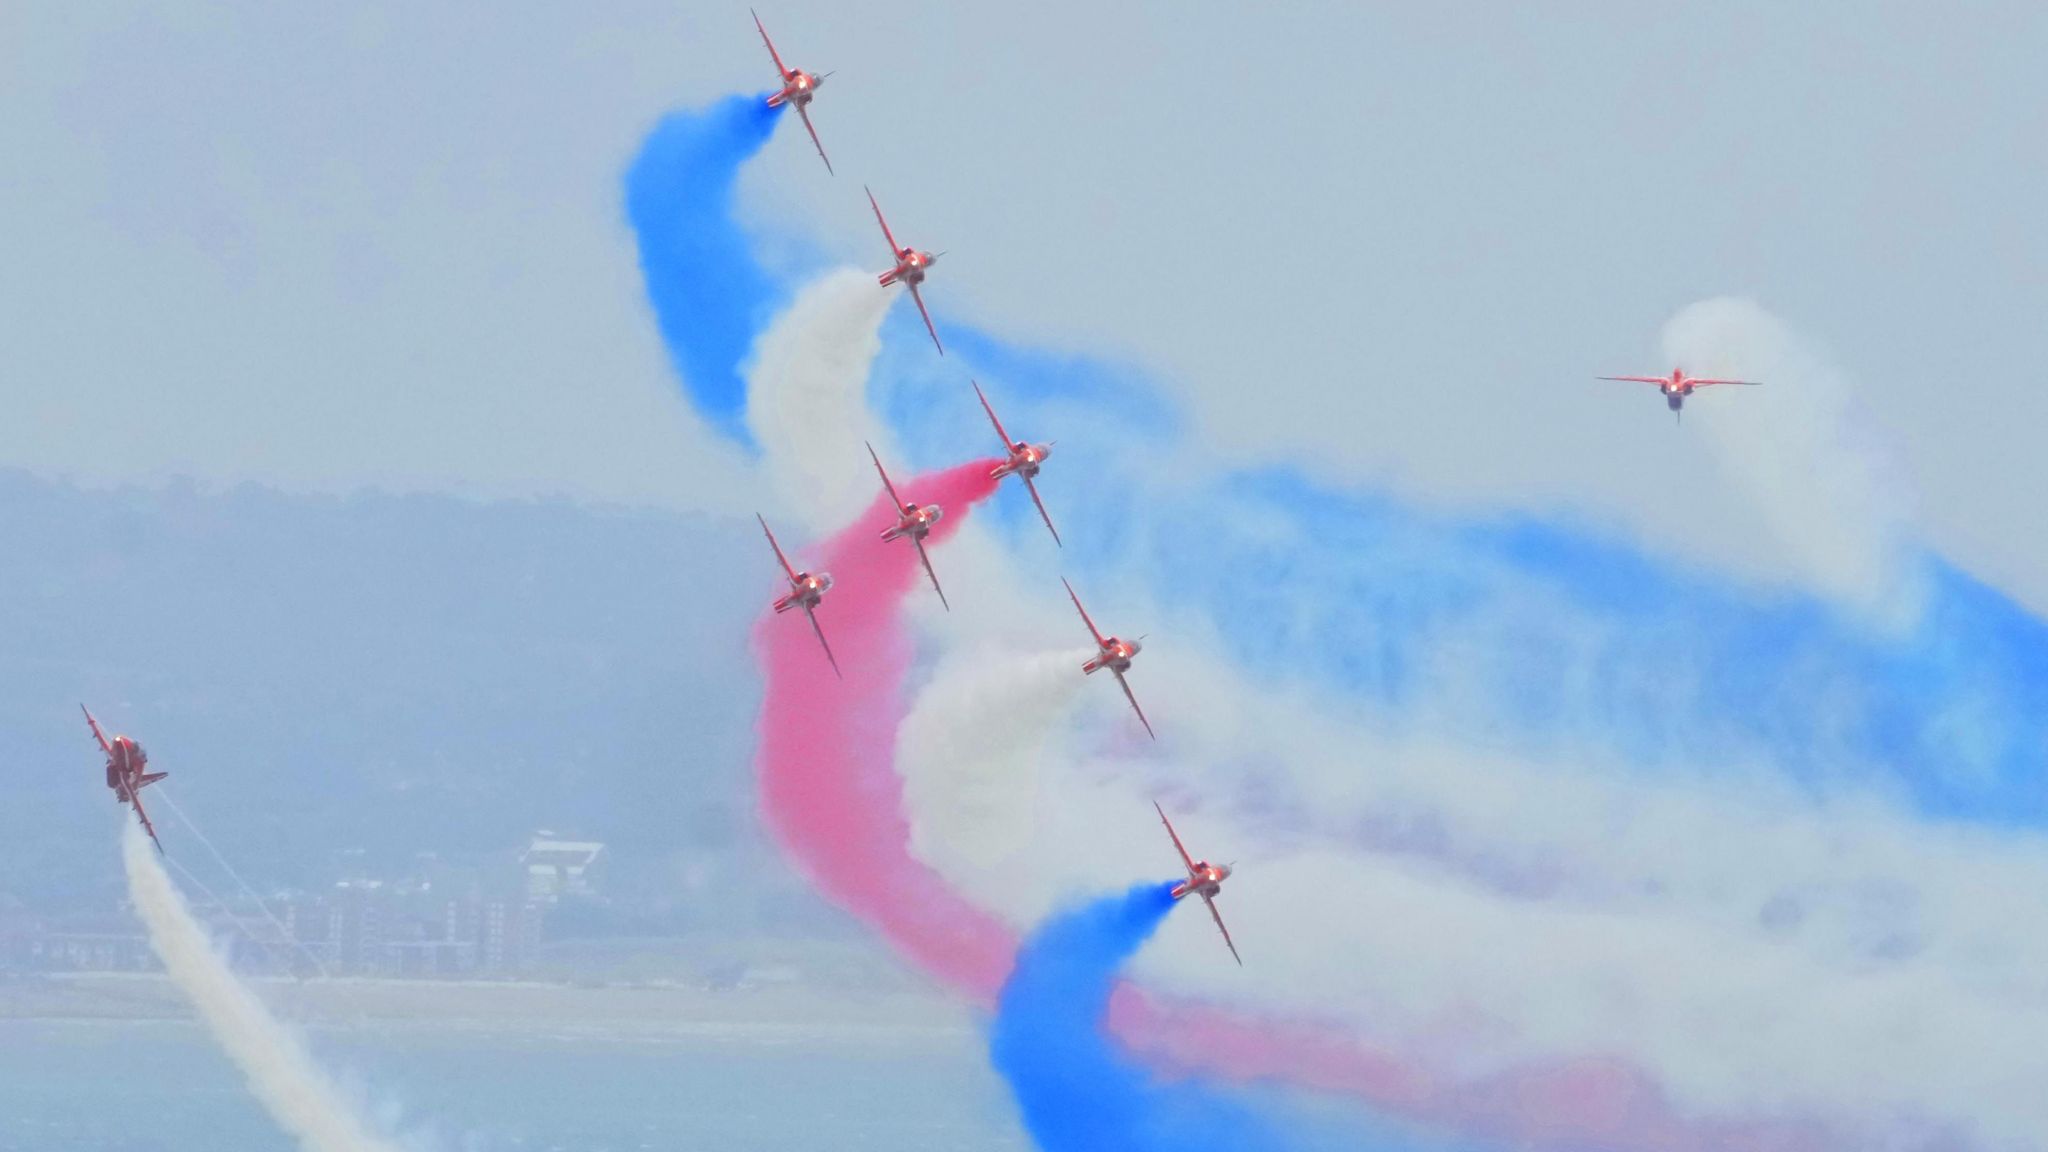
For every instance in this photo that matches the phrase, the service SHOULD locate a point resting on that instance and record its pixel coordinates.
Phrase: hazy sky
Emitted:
(383, 244)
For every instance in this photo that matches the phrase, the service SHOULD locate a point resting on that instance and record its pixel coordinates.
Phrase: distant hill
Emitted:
(387, 673)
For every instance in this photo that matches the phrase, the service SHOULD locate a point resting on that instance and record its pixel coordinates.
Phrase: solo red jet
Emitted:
(1114, 654)
(914, 521)
(127, 773)
(909, 270)
(1677, 386)
(798, 89)
(1204, 880)
(1023, 462)
(806, 591)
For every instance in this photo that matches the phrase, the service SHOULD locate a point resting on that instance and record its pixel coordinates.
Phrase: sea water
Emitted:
(162, 1086)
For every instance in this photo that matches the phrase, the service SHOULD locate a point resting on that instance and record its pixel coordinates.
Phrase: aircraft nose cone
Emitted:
(934, 513)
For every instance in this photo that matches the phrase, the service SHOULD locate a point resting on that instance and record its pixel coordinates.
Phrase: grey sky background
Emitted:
(382, 245)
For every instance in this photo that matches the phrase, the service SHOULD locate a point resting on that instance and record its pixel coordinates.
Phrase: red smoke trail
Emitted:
(830, 791)
(828, 785)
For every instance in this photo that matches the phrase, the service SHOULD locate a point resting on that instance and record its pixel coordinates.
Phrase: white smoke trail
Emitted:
(277, 1067)
(1801, 447)
(969, 752)
(807, 392)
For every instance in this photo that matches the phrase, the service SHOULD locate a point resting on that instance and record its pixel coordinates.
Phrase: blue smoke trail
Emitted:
(1077, 1091)
(1531, 635)
(709, 293)
(1527, 634)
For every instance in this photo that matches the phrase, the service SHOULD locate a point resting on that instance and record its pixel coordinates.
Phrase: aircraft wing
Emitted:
(135, 801)
(1132, 697)
(811, 615)
(1746, 383)
(919, 297)
(1227, 942)
(895, 249)
(886, 486)
(1033, 489)
(1178, 846)
(1092, 629)
(1007, 446)
(1640, 379)
(778, 549)
(918, 541)
(781, 72)
(96, 733)
(815, 142)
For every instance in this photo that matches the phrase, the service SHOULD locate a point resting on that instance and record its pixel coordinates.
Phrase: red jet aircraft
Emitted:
(1023, 462)
(798, 89)
(806, 591)
(127, 773)
(914, 521)
(1114, 654)
(909, 270)
(1204, 880)
(1677, 386)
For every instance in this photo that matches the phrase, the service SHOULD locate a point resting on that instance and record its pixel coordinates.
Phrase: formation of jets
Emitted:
(914, 521)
